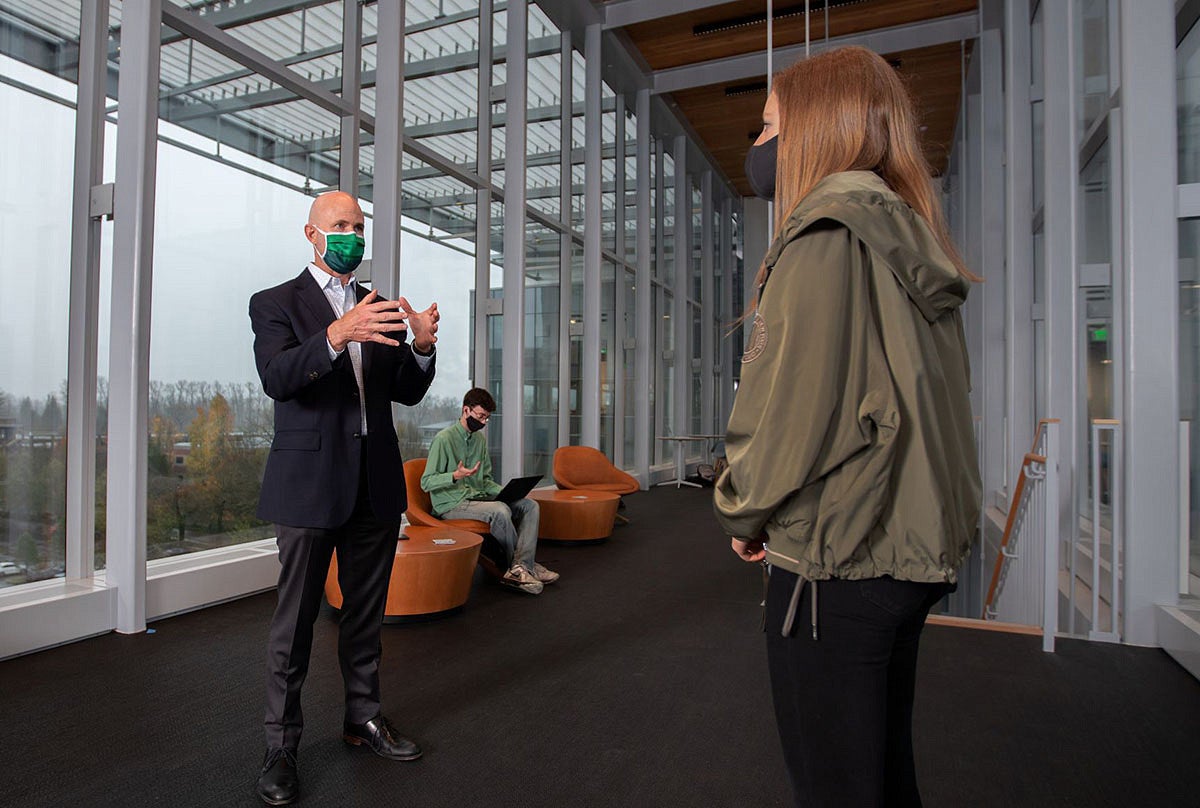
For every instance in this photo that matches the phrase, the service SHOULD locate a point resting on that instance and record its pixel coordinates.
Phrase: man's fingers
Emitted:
(380, 338)
(403, 301)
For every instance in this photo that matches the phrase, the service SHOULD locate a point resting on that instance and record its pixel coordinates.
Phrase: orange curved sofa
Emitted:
(587, 469)
(420, 512)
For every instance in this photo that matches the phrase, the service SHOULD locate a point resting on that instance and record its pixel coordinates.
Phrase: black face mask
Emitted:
(760, 168)
(474, 424)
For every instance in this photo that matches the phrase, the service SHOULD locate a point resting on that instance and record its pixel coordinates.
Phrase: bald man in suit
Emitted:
(334, 357)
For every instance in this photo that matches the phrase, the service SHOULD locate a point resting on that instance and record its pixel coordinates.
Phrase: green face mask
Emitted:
(343, 251)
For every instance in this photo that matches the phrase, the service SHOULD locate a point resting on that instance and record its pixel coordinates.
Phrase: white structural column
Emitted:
(513, 365)
(1018, 234)
(351, 92)
(681, 312)
(483, 197)
(1061, 276)
(991, 195)
(757, 230)
(1151, 439)
(643, 356)
(566, 242)
(85, 291)
(727, 314)
(389, 141)
(129, 344)
(593, 144)
(707, 354)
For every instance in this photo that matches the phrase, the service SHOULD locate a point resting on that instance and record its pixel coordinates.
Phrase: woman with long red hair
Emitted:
(852, 465)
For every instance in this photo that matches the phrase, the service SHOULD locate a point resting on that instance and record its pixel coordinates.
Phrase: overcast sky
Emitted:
(220, 235)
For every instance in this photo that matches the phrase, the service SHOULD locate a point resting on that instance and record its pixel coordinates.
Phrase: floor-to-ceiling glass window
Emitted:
(1188, 104)
(1038, 166)
(665, 360)
(495, 338)
(627, 341)
(1098, 327)
(667, 368)
(210, 423)
(695, 286)
(1092, 62)
(608, 336)
(576, 344)
(540, 397)
(543, 273)
(35, 229)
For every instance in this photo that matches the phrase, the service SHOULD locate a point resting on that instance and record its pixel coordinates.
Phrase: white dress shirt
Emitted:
(342, 299)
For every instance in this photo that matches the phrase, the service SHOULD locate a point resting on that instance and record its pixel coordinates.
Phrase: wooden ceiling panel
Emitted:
(674, 41)
(729, 124)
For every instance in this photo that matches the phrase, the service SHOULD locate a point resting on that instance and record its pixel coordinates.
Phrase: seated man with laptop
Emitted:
(458, 477)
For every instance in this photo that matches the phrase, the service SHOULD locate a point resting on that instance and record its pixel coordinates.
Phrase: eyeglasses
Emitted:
(480, 414)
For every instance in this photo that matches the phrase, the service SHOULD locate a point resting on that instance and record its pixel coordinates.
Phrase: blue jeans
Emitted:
(514, 526)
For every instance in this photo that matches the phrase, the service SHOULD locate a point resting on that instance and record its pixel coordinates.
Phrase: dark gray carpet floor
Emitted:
(638, 680)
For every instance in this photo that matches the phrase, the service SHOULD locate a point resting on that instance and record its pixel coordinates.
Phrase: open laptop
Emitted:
(517, 488)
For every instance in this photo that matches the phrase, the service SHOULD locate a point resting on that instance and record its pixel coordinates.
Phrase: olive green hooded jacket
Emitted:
(850, 446)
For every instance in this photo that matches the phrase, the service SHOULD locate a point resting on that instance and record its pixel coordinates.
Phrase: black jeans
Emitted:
(843, 702)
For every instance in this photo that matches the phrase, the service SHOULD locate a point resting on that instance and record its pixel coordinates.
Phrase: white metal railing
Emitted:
(1050, 535)
(1027, 563)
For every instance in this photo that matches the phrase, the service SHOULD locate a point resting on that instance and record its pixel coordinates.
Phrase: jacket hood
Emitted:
(879, 217)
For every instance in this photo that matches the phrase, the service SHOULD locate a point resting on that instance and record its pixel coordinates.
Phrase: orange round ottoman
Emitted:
(575, 515)
(428, 577)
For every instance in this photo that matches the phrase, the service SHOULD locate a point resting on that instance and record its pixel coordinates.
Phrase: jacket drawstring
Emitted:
(766, 572)
(814, 609)
(789, 619)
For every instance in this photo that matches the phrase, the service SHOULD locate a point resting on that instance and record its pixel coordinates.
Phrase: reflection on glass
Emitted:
(1092, 63)
(667, 234)
(1095, 215)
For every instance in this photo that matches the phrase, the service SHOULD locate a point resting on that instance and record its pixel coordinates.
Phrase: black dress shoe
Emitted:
(279, 783)
(381, 737)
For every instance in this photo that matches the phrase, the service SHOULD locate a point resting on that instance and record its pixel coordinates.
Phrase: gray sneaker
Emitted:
(544, 575)
(520, 578)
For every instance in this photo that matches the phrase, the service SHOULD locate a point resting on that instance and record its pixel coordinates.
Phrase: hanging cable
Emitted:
(770, 81)
(770, 45)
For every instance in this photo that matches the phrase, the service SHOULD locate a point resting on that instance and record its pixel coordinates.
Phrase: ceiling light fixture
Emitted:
(746, 20)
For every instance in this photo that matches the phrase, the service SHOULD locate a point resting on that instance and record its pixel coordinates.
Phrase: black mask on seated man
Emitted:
(474, 424)
(760, 168)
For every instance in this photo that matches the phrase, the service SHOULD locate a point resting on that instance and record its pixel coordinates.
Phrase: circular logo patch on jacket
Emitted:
(758, 340)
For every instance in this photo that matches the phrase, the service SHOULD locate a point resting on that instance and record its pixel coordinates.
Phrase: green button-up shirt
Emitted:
(451, 446)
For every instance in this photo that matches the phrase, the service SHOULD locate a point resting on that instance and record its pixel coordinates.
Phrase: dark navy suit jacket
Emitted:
(311, 479)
